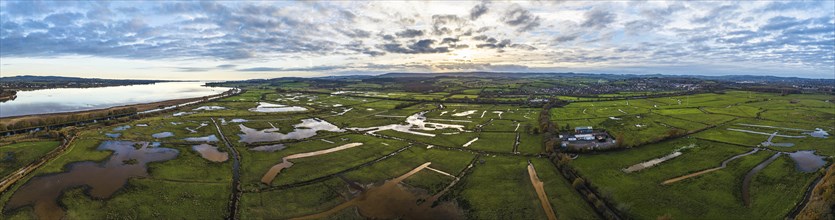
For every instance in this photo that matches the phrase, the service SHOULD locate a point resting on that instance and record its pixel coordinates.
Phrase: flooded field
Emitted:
(393, 201)
(163, 134)
(651, 163)
(414, 122)
(128, 160)
(210, 152)
(210, 138)
(270, 107)
(307, 128)
(209, 108)
(269, 148)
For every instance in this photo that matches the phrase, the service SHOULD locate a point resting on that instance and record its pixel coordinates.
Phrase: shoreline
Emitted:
(135, 108)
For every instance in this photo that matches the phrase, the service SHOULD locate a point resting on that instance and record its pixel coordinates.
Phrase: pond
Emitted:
(270, 107)
(807, 161)
(102, 179)
(80, 99)
(210, 138)
(269, 148)
(163, 134)
(210, 153)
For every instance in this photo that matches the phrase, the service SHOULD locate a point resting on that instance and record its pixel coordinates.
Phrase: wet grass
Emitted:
(776, 189)
(500, 188)
(638, 194)
(295, 202)
(16, 156)
(494, 142)
(431, 181)
(191, 167)
(566, 202)
(322, 165)
(152, 199)
(452, 162)
(530, 143)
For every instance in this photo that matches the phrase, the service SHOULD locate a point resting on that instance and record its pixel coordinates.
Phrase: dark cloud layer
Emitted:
(521, 18)
(785, 34)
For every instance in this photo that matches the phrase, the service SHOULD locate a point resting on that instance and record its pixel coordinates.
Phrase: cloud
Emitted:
(520, 18)
(479, 10)
(717, 14)
(269, 36)
(409, 33)
(598, 18)
(566, 38)
(421, 46)
(293, 69)
(447, 24)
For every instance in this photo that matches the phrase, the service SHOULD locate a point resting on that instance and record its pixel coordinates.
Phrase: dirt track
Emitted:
(540, 192)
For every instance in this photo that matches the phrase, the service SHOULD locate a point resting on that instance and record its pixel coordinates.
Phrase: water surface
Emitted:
(807, 161)
(210, 153)
(80, 99)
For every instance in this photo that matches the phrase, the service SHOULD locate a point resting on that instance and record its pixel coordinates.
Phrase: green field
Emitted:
(488, 179)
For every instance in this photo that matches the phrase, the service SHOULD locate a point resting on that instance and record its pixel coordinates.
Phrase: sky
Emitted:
(227, 40)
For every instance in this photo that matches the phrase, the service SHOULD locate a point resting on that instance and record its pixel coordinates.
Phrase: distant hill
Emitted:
(47, 82)
(730, 78)
(30, 78)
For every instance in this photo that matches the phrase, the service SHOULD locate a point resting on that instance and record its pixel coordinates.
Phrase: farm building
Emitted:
(584, 137)
(583, 130)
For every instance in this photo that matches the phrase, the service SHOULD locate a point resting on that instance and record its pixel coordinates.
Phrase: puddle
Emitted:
(466, 113)
(210, 153)
(209, 108)
(141, 125)
(269, 148)
(806, 161)
(285, 162)
(101, 179)
(819, 133)
(113, 135)
(182, 114)
(239, 120)
(651, 163)
(121, 128)
(163, 134)
(470, 142)
(763, 133)
(269, 107)
(194, 130)
(345, 111)
(210, 138)
(307, 128)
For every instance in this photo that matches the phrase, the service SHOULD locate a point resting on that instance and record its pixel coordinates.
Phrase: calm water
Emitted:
(70, 100)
